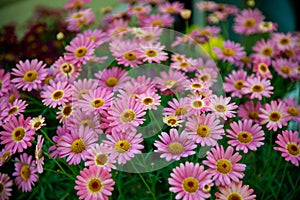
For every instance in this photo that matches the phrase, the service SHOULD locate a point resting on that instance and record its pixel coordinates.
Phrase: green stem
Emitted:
(147, 186)
(152, 115)
(46, 136)
(283, 176)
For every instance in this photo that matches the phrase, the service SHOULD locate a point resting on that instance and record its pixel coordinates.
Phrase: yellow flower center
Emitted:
(111, 82)
(285, 70)
(170, 10)
(190, 185)
(25, 172)
(97, 103)
(67, 68)
(87, 122)
(101, 159)
(67, 111)
(184, 64)
(224, 166)
(147, 101)
(220, 108)
(78, 15)
(249, 23)
(274, 116)
(293, 149)
(127, 116)
(203, 131)
(196, 85)
(18, 134)
(171, 83)
(122, 146)
(267, 51)
(78, 146)
(171, 120)
(284, 41)
(157, 22)
(253, 115)
(239, 84)
(258, 88)
(30, 76)
(206, 188)
(1, 188)
(151, 53)
(262, 67)
(181, 111)
(197, 104)
(58, 94)
(13, 110)
(228, 52)
(175, 148)
(81, 92)
(48, 79)
(234, 196)
(80, 52)
(95, 185)
(37, 124)
(293, 111)
(244, 137)
(0, 84)
(204, 77)
(130, 56)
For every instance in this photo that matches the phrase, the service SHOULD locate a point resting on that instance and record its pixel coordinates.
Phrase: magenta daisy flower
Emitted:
(204, 129)
(175, 145)
(60, 131)
(189, 181)
(289, 146)
(274, 115)
(261, 67)
(150, 100)
(4, 82)
(64, 69)
(197, 104)
(37, 122)
(78, 20)
(126, 115)
(151, 52)
(171, 8)
(96, 35)
(185, 65)
(99, 155)
(284, 41)
(221, 107)
(249, 110)
(80, 50)
(245, 135)
(14, 109)
(74, 146)
(231, 52)
(124, 145)
(17, 134)
(164, 20)
(29, 75)
(234, 83)
(56, 94)
(25, 173)
(285, 67)
(81, 87)
(293, 109)
(257, 87)
(75, 4)
(65, 113)
(208, 76)
(39, 154)
(265, 49)
(176, 108)
(96, 101)
(224, 166)
(173, 120)
(113, 78)
(5, 186)
(94, 183)
(247, 21)
(235, 191)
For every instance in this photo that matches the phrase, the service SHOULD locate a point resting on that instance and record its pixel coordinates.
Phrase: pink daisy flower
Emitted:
(196, 86)
(29, 75)
(261, 67)
(164, 20)
(197, 104)
(224, 166)
(78, 20)
(173, 120)
(231, 52)
(257, 87)
(148, 34)
(6, 184)
(245, 135)
(64, 69)
(207, 5)
(176, 108)
(189, 181)
(247, 21)
(284, 41)
(113, 78)
(75, 4)
(97, 36)
(65, 113)
(81, 87)
(204, 64)
(235, 191)
(265, 49)
(39, 154)
(289, 146)
(151, 52)
(208, 76)
(4, 82)
(37, 122)
(124, 145)
(150, 100)
(185, 65)
(204, 129)
(126, 115)
(293, 109)
(80, 50)
(14, 109)
(171, 8)
(249, 110)
(267, 27)
(175, 145)
(221, 107)
(60, 132)
(94, 183)
(234, 83)
(25, 173)
(74, 146)
(56, 94)
(17, 135)
(285, 67)
(99, 155)
(274, 115)
(96, 101)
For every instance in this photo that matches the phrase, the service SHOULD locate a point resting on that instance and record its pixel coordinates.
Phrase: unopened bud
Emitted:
(185, 14)
(60, 36)
(251, 3)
